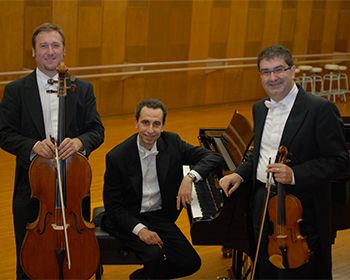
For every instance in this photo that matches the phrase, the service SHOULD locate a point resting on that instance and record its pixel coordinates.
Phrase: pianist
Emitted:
(312, 130)
(145, 190)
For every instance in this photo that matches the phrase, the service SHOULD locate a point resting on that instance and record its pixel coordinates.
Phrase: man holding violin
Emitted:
(312, 130)
(29, 116)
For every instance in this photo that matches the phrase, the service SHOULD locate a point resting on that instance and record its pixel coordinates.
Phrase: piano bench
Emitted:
(112, 250)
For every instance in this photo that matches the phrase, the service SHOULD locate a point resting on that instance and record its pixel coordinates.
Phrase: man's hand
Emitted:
(150, 237)
(232, 179)
(282, 173)
(69, 147)
(184, 195)
(44, 149)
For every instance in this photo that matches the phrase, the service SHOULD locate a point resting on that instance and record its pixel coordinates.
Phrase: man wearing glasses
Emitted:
(311, 128)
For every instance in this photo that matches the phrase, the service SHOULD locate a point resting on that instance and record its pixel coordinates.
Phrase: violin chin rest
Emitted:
(277, 260)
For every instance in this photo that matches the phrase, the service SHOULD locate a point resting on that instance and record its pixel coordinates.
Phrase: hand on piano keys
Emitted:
(207, 199)
(184, 195)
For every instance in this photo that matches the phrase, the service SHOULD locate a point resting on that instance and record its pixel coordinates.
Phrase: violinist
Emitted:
(29, 115)
(311, 128)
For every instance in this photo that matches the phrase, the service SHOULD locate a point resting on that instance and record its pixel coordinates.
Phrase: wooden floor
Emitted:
(186, 124)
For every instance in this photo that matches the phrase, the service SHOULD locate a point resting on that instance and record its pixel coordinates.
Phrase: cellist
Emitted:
(29, 117)
(311, 128)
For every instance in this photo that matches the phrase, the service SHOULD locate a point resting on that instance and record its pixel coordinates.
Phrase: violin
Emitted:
(287, 248)
(60, 244)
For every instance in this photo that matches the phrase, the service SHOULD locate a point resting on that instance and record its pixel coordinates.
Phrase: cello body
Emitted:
(45, 235)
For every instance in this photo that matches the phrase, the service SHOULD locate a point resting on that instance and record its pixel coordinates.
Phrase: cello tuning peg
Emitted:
(73, 78)
(73, 88)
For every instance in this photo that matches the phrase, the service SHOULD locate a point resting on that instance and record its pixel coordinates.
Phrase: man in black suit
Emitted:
(145, 190)
(312, 130)
(29, 116)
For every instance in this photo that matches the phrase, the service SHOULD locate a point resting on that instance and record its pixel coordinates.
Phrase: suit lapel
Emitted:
(133, 166)
(163, 160)
(259, 122)
(295, 119)
(32, 99)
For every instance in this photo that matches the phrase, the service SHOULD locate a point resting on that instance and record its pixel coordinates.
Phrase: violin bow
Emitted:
(262, 222)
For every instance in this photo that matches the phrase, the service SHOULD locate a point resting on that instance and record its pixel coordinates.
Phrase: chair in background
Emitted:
(342, 76)
(331, 77)
(317, 82)
(304, 79)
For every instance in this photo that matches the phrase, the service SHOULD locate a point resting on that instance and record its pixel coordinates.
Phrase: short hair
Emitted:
(48, 27)
(276, 51)
(151, 103)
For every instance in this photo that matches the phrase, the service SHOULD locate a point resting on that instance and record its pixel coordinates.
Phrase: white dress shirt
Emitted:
(151, 197)
(275, 122)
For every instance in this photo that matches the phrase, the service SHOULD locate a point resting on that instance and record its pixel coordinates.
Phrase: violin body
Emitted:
(287, 247)
(45, 239)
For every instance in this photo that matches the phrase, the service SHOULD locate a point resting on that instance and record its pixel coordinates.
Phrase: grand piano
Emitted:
(219, 220)
(214, 218)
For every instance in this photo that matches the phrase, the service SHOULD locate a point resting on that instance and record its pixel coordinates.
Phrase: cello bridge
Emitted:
(56, 227)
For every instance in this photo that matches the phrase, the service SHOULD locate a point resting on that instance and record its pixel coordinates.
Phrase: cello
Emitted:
(60, 243)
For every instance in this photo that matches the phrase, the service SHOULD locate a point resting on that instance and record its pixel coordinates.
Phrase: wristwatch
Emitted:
(192, 176)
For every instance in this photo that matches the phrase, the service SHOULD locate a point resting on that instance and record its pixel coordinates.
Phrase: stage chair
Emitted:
(331, 77)
(304, 79)
(342, 76)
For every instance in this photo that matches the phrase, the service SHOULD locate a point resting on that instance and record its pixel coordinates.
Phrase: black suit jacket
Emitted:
(22, 123)
(122, 192)
(314, 137)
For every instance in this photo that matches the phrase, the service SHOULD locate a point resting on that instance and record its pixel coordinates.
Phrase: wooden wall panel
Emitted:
(156, 86)
(200, 30)
(302, 27)
(158, 31)
(196, 85)
(176, 91)
(136, 34)
(133, 93)
(11, 36)
(273, 23)
(65, 17)
(104, 32)
(114, 32)
(215, 87)
(237, 28)
(330, 26)
(111, 97)
(233, 85)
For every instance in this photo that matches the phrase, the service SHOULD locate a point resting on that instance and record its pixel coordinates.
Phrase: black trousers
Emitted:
(307, 228)
(176, 259)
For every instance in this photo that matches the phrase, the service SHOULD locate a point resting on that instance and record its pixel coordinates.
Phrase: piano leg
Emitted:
(241, 266)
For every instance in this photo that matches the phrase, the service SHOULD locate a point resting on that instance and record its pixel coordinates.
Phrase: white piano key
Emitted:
(195, 207)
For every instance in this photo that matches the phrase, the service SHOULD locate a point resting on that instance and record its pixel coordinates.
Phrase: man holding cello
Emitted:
(29, 118)
(310, 128)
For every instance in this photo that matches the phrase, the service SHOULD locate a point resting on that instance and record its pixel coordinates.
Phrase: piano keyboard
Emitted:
(207, 199)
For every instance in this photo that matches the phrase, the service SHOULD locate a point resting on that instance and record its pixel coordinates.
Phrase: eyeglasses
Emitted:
(277, 71)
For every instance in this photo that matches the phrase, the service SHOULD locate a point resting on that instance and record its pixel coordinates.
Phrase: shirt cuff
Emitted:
(195, 173)
(137, 228)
